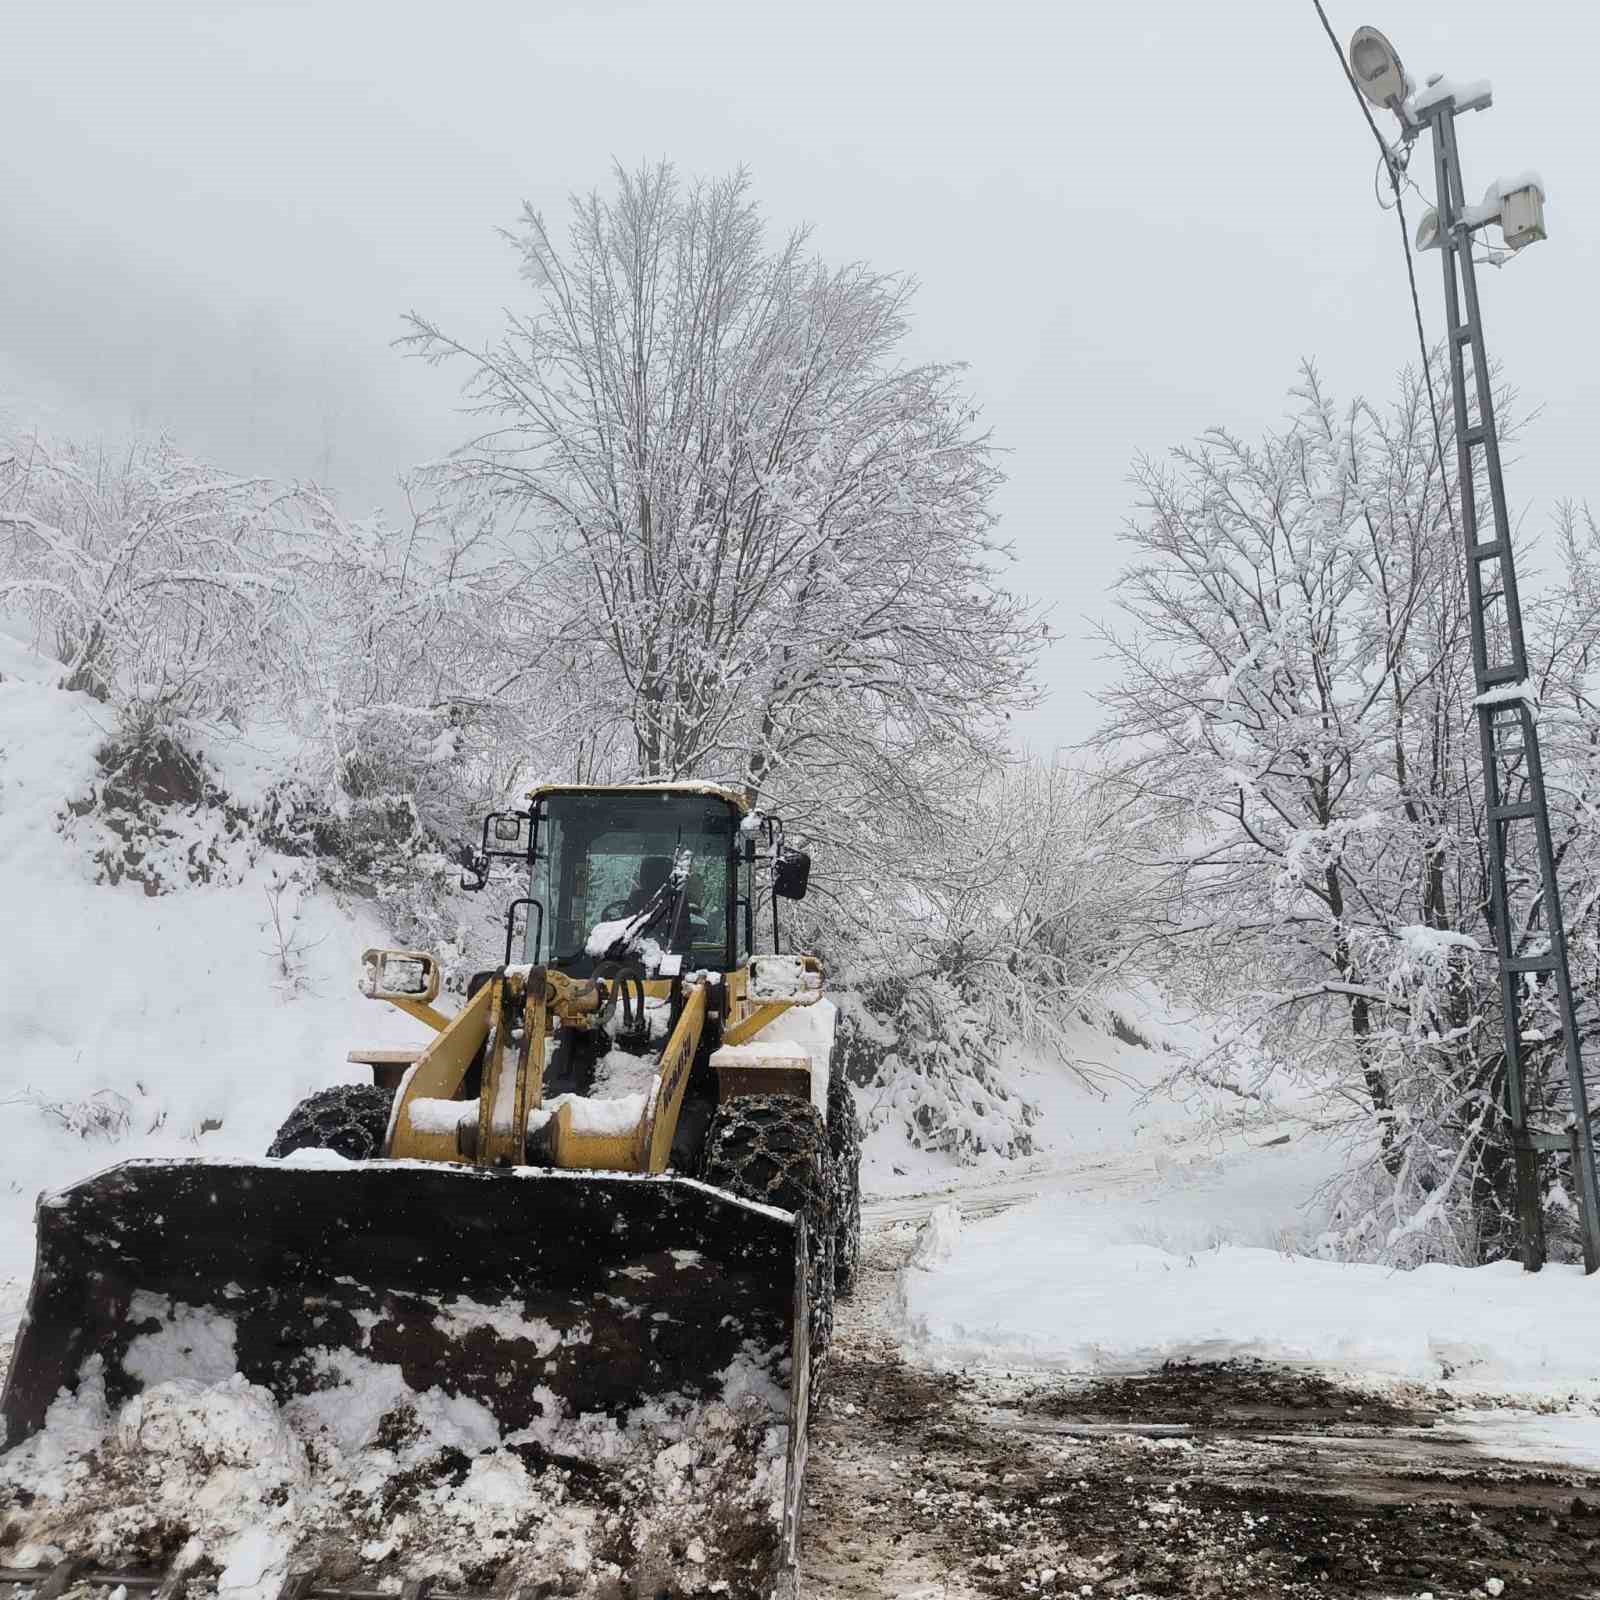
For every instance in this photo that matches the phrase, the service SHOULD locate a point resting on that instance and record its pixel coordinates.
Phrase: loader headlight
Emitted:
(399, 975)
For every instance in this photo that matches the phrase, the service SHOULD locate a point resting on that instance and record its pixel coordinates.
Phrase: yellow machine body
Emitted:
(506, 1029)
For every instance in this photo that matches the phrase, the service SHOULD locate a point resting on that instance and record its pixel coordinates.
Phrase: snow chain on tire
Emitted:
(774, 1148)
(351, 1119)
(844, 1141)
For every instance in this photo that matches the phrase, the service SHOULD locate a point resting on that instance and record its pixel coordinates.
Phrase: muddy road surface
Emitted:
(1234, 1480)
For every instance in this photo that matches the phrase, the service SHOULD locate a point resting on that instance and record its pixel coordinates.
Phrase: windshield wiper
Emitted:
(615, 941)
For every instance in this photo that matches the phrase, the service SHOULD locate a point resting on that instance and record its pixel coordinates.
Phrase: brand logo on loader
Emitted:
(675, 1070)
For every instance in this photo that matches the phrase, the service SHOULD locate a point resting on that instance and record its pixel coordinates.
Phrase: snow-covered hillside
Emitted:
(1185, 1174)
(138, 1024)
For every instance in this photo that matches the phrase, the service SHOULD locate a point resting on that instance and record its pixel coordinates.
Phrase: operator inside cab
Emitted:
(651, 873)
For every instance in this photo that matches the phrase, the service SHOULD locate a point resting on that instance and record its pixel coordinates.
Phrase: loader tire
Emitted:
(774, 1148)
(351, 1119)
(844, 1141)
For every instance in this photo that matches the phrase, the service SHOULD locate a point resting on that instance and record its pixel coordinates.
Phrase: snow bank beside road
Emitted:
(1152, 1231)
(1037, 1286)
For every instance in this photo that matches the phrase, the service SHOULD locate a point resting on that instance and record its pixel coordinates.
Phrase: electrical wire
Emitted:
(1396, 169)
(1390, 159)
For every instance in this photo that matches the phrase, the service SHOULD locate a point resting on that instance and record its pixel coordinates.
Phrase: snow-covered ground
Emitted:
(1141, 1167)
(1045, 1283)
(140, 1025)
(1149, 1232)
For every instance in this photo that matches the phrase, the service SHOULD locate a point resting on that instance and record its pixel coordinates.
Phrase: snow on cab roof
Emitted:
(650, 786)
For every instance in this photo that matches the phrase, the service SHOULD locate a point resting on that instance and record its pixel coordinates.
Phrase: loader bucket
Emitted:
(548, 1298)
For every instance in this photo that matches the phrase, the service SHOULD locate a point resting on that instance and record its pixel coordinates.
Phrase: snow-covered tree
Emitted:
(1296, 685)
(756, 543)
(150, 575)
(1007, 936)
(401, 680)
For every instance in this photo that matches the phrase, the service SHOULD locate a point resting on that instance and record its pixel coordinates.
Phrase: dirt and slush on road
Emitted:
(1234, 1480)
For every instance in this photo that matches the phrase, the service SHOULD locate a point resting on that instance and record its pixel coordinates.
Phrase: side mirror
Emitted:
(399, 975)
(507, 829)
(791, 872)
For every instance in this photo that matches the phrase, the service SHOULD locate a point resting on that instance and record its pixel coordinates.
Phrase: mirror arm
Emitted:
(775, 843)
(477, 873)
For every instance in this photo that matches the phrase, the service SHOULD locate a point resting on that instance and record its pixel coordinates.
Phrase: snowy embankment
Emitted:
(1151, 1233)
(1135, 1164)
(1042, 1284)
(140, 1025)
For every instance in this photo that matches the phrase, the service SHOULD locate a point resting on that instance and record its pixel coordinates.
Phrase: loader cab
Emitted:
(600, 855)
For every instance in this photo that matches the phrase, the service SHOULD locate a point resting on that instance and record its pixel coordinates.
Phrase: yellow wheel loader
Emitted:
(604, 1204)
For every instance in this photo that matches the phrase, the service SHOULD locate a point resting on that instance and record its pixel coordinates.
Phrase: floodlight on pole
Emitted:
(1428, 230)
(1522, 211)
(1376, 65)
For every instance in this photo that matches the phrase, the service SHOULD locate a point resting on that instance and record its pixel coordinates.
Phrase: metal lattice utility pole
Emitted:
(1508, 729)
(1525, 898)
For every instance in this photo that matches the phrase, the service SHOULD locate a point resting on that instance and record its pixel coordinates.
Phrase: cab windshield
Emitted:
(602, 857)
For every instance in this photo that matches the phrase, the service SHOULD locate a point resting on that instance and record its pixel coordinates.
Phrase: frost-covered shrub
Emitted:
(987, 919)
(383, 854)
(418, 691)
(934, 1072)
(375, 848)
(152, 576)
(157, 817)
(105, 1114)
(296, 819)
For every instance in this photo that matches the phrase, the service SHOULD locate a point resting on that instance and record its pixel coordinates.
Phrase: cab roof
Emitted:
(683, 786)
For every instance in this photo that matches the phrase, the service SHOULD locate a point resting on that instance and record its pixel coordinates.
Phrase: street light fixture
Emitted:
(1377, 68)
(1428, 230)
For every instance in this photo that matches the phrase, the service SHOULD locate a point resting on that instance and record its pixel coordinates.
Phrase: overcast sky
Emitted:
(1132, 220)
